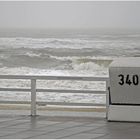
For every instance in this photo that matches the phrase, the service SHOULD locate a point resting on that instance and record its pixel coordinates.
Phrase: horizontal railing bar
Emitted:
(15, 89)
(54, 90)
(70, 104)
(15, 102)
(44, 77)
(71, 91)
(53, 103)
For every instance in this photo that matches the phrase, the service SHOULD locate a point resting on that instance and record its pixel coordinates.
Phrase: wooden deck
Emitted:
(17, 124)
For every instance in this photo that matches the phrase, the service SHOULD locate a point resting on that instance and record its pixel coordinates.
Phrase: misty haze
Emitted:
(66, 38)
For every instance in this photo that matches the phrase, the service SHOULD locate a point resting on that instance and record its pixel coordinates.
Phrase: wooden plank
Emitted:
(53, 103)
(33, 97)
(54, 90)
(71, 91)
(70, 104)
(15, 89)
(44, 77)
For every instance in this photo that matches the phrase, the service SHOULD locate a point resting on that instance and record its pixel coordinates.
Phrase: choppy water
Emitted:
(78, 53)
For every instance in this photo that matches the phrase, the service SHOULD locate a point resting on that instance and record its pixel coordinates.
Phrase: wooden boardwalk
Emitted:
(17, 124)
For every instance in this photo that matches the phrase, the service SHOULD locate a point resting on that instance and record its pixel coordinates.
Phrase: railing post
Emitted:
(107, 97)
(33, 97)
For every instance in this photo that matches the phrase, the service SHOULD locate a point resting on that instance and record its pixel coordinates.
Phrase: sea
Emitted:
(66, 52)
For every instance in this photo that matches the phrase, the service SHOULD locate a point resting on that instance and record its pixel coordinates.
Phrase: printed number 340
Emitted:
(127, 79)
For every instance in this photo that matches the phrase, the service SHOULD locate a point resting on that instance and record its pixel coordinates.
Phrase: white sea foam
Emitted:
(31, 54)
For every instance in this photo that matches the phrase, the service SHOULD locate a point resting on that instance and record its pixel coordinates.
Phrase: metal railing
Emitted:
(33, 89)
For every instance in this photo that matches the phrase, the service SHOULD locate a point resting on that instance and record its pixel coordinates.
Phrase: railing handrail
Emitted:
(45, 77)
(33, 89)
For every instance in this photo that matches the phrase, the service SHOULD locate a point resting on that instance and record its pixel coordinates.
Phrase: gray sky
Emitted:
(70, 14)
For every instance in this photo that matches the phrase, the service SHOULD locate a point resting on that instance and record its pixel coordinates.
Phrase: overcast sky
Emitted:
(70, 14)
